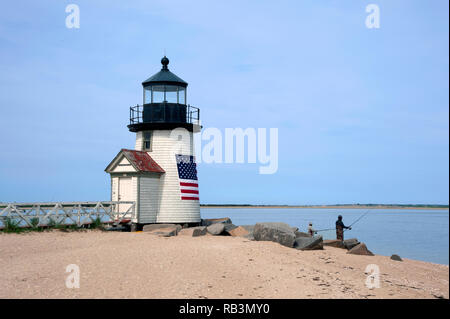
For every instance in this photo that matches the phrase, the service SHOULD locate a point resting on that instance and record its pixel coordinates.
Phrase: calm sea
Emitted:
(411, 233)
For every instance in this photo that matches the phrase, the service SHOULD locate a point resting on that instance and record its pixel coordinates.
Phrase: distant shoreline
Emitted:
(426, 207)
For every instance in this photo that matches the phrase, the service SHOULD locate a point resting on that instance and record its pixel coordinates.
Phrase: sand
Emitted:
(140, 265)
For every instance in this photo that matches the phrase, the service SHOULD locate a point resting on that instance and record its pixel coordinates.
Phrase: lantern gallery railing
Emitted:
(193, 115)
(164, 113)
(32, 215)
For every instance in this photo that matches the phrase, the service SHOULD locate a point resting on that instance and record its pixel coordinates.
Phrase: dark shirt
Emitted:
(340, 224)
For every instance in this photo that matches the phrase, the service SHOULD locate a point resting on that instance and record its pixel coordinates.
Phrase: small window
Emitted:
(146, 143)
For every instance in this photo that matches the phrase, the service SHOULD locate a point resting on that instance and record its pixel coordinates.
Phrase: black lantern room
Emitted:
(164, 103)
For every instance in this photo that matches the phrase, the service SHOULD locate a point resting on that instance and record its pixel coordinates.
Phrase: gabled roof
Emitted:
(140, 160)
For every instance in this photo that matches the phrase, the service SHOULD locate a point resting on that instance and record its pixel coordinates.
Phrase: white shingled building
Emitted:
(160, 174)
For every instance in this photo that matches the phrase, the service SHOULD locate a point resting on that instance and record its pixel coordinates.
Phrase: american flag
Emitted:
(187, 174)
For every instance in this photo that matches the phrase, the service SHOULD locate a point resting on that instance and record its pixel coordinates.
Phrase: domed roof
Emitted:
(164, 76)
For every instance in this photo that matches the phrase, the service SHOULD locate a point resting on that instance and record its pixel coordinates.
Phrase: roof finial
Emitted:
(164, 62)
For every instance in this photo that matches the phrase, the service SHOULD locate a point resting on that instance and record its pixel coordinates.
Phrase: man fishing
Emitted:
(311, 230)
(340, 228)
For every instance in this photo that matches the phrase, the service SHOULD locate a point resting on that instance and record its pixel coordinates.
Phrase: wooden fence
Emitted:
(74, 213)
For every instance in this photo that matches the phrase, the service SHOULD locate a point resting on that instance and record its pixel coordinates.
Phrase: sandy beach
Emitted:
(140, 265)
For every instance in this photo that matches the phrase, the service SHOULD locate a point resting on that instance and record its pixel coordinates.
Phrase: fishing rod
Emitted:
(357, 220)
(324, 229)
(360, 217)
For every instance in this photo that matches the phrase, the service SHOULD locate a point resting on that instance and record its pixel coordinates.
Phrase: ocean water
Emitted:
(410, 233)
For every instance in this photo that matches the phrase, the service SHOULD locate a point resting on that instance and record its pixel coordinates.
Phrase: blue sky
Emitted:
(362, 113)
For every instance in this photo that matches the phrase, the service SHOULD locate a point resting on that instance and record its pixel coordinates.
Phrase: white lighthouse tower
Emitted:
(160, 174)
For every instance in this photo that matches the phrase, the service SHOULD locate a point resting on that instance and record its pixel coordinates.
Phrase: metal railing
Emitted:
(192, 114)
(71, 213)
(136, 114)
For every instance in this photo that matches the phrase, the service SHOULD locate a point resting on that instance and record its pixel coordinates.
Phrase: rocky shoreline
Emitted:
(278, 232)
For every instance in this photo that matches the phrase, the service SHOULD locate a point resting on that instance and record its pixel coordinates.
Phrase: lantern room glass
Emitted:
(164, 93)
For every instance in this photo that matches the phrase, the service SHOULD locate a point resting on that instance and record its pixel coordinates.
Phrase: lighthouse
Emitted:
(160, 173)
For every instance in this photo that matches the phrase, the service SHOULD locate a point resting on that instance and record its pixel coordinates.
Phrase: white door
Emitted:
(125, 193)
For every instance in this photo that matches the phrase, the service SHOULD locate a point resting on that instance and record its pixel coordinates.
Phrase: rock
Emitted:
(396, 257)
(152, 227)
(333, 243)
(350, 243)
(164, 232)
(199, 231)
(238, 232)
(299, 234)
(294, 229)
(207, 222)
(229, 227)
(309, 243)
(216, 229)
(278, 232)
(193, 231)
(360, 249)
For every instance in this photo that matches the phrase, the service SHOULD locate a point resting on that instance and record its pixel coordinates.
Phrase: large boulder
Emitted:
(278, 232)
(207, 222)
(193, 231)
(216, 229)
(239, 231)
(157, 227)
(360, 249)
(333, 243)
(309, 243)
(350, 243)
